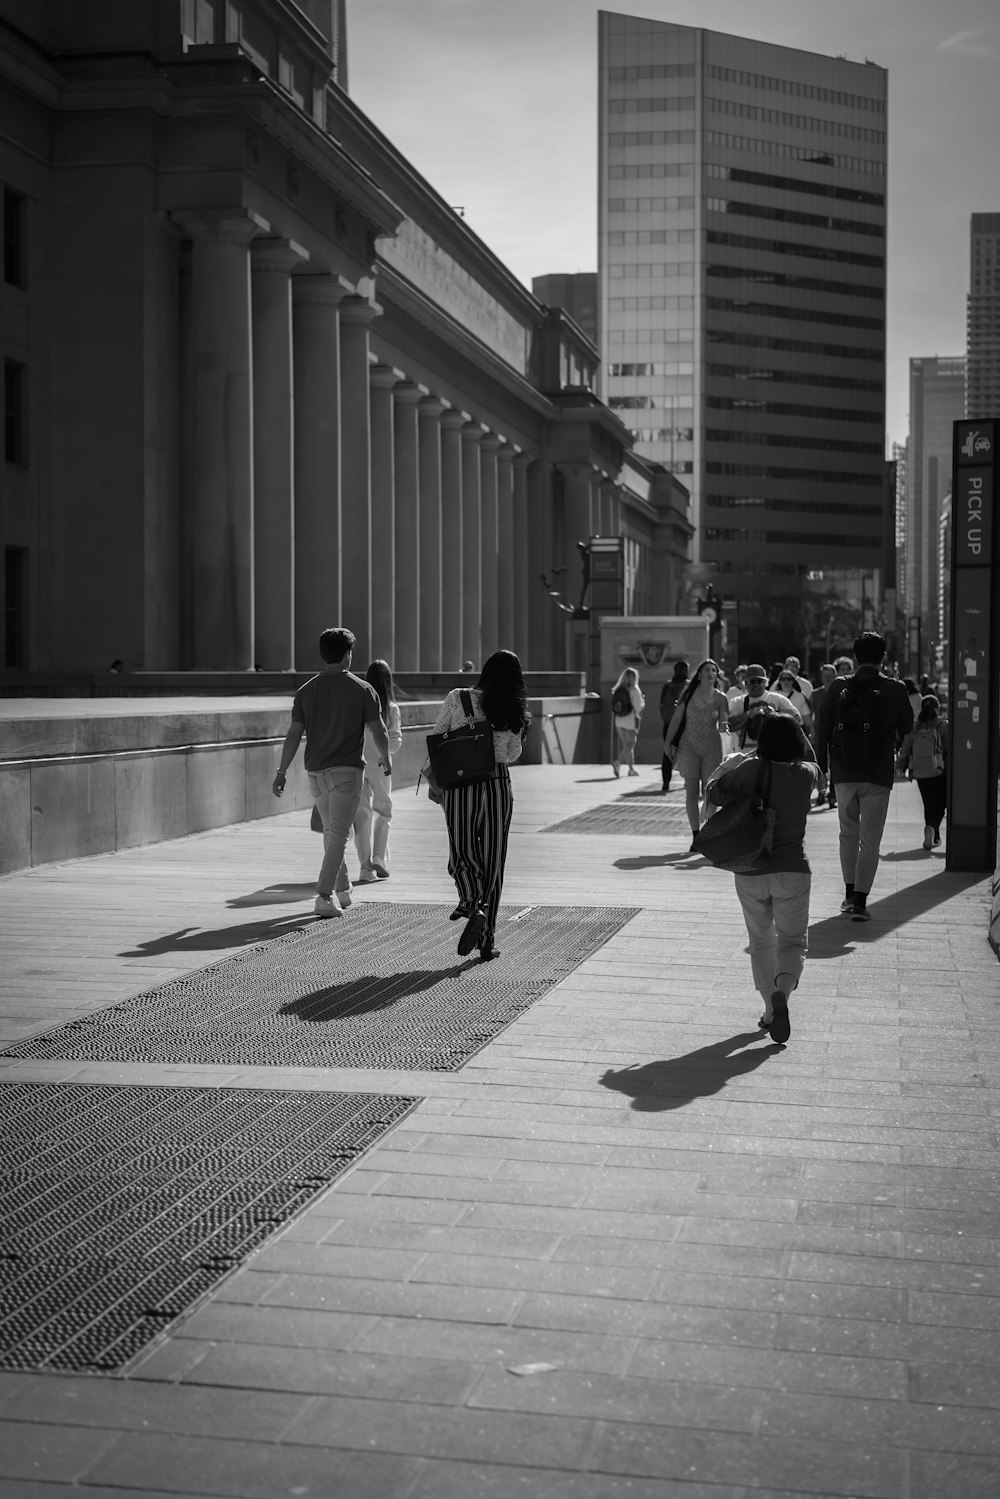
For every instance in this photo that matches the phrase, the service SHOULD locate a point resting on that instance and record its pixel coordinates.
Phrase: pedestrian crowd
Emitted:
(771, 740)
(758, 748)
(352, 728)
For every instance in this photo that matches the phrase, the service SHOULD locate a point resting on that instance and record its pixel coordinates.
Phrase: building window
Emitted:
(14, 434)
(14, 266)
(15, 608)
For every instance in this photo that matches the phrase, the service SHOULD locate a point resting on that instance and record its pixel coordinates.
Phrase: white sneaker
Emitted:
(344, 896)
(326, 906)
(632, 771)
(367, 875)
(928, 836)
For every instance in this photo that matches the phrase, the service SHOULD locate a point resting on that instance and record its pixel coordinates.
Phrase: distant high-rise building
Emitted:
(937, 399)
(742, 286)
(982, 338)
(575, 294)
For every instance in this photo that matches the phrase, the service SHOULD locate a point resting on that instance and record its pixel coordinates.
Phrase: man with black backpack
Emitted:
(861, 722)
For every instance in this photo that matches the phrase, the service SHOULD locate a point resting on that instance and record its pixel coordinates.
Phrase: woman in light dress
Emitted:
(703, 710)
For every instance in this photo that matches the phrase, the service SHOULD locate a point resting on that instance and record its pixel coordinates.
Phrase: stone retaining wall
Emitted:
(71, 786)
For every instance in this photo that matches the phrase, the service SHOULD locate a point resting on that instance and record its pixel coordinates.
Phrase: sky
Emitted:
(495, 103)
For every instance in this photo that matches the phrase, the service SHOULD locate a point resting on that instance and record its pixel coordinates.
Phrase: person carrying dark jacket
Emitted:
(669, 694)
(861, 722)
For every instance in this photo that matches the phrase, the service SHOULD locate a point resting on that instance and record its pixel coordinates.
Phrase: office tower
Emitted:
(742, 283)
(575, 294)
(982, 392)
(937, 398)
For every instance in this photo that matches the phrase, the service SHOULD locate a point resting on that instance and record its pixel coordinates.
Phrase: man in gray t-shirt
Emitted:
(332, 709)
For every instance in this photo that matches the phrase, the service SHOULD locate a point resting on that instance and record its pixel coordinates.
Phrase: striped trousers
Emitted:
(478, 818)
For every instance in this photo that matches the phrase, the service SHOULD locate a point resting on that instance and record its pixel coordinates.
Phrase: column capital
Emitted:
(220, 226)
(508, 452)
(577, 470)
(454, 421)
(432, 407)
(358, 311)
(473, 431)
(491, 443)
(385, 377)
(274, 254)
(523, 460)
(316, 288)
(409, 393)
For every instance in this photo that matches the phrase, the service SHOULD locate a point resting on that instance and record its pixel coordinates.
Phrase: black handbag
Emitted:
(740, 835)
(462, 756)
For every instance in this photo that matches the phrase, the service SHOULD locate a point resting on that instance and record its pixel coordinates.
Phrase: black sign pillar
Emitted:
(974, 650)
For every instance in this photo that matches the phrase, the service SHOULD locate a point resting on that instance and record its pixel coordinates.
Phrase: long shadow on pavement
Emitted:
(675, 1081)
(191, 939)
(834, 935)
(344, 1001)
(274, 895)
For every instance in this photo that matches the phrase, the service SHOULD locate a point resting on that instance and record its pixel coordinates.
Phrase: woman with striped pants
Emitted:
(478, 816)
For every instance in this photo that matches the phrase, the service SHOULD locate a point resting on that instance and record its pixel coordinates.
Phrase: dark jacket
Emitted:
(668, 697)
(892, 720)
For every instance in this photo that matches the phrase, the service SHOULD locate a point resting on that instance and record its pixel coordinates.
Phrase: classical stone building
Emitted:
(259, 376)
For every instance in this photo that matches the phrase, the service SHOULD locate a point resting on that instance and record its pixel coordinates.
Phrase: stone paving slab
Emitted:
(743, 1270)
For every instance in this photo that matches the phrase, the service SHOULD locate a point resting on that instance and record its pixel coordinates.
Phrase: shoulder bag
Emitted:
(464, 755)
(741, 834)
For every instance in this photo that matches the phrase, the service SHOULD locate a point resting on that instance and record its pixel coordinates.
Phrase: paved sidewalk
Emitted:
(631, 1248)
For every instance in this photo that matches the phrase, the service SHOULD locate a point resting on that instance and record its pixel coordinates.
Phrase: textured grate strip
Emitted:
(383, 988)
(633, 815)
(151, 1200)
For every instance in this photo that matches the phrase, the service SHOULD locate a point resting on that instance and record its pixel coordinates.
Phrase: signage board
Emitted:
(974, 645)
(651, 644)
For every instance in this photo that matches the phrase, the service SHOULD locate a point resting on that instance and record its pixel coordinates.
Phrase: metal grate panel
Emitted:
(382, 988)
(139, 1201)
(633, 814)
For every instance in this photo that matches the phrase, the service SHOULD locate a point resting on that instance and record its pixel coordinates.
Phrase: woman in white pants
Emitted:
(374, 814)
(775, 895)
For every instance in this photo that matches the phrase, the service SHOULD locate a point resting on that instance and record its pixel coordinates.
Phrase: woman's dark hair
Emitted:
(909, 684)
(505, 700)
(781, 738)
(379, 676)
(930, 708)
(689, 690)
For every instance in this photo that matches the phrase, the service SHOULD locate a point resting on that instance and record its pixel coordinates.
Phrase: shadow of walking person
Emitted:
(676, 1081)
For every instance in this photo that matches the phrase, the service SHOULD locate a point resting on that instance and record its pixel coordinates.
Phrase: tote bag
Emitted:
(740, 835)
(464, 755)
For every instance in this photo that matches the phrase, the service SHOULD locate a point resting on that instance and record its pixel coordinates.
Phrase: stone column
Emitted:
(472, 506)
(489, 568)
(316, 336)
(505, 547)
(222, 567)
(542, 612)
(406, 650)
(430, 411)
(522, 581)
(451, 539)
(272, 262)
(356, 316)
(382, 565)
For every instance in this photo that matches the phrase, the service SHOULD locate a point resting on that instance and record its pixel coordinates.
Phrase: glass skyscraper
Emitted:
(742, 296)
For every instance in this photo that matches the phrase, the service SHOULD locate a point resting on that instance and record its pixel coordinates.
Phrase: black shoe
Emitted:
(462, 912)
(487, 954)
(780, 1027)
(472, 933)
